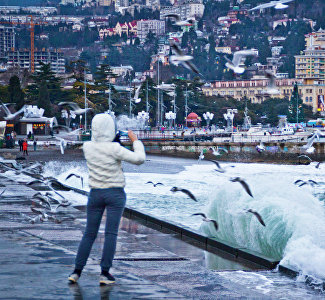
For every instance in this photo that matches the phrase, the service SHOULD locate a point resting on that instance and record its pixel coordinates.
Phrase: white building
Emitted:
(154, 4)
(157, 27)
(186, 9)
(121, 4)
(276, 51)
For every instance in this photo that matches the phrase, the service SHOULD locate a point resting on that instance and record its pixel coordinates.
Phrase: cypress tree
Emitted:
(44, 99)
(16, 94)
(294, 103)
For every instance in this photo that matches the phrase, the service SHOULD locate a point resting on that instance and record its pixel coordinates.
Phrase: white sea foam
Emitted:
(294, 217)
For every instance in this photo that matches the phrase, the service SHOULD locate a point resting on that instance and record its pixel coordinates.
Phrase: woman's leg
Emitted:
(95, 209)
(115, 199)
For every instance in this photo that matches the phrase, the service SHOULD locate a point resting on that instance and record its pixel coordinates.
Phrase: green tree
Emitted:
(16, 94)
(44, 99)
(295, 110)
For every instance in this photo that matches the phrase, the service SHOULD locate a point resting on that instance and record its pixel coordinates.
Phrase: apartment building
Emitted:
(154, 4)
(185, 9)
(311, 64)
(7, 40)
(157, 27)
(22, 59)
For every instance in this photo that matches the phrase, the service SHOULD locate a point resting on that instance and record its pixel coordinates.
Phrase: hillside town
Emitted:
(112, 48)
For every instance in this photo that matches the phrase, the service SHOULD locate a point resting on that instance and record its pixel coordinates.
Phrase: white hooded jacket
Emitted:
(104, 156)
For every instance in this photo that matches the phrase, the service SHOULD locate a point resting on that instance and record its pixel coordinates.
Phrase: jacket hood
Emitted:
(102, 128)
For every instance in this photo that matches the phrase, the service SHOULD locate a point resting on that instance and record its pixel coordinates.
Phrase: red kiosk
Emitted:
(193, 120)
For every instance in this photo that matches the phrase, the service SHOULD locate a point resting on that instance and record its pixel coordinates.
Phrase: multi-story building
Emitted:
(7, 40)
(120, 5)
(255, 90)
(130, 29)
(311, 65)
(185, 9)
(22, 59)
(154, 4)
(157, 27)
(104, 2)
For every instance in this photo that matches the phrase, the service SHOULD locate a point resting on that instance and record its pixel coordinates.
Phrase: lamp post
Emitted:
(229, 117)
(170, 116)
(86, 104)
(143, 117)
(67, 115)
(208, 117)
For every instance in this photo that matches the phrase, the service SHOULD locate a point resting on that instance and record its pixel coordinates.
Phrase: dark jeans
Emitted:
(113, 199)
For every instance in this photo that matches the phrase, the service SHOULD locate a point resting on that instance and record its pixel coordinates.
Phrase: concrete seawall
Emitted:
(282, 152)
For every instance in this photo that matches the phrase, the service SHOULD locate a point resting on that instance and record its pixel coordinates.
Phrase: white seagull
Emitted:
(180, 58)
(10, 116)
(136, 98)
(75, 107)
(238, 59)
(280, 4)
(308, 148)
(179, 22)
(260, 148)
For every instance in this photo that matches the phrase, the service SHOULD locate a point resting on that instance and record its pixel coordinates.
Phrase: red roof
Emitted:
(192, 116)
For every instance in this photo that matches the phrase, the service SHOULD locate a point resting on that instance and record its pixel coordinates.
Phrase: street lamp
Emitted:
(229, 117)
(67, 115)
(143, 117)
(170, 116)
(208, 117)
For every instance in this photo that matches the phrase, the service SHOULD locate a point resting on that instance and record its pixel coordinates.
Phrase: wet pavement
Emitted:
(37, 258)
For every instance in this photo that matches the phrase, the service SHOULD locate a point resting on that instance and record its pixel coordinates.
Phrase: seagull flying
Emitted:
(180, 58)
(238, 59)
(260, 148)
(271, 89)
(75, 107)
(9, 115)
(187, 192)
(257, 215)
(179, 22)
(308, 148)
(136, 98)
(75, 175)
(201, 156)
(216, 152)
(220, 170)
(244, 185)
(48, 182)
(155, 184)
(301, 183)
(280, 4)
(205, 219)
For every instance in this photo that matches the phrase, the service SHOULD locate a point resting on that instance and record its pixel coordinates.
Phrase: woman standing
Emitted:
(106, 180)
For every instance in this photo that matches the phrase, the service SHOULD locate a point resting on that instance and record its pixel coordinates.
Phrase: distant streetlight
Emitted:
(170, 116)
(68, 115)
(143, 116)
(229, 117)
(208, 117)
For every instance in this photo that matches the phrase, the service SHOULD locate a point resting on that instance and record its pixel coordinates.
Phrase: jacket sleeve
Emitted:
(137, 157)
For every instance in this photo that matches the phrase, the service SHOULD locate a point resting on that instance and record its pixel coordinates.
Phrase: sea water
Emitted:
(294, 216)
